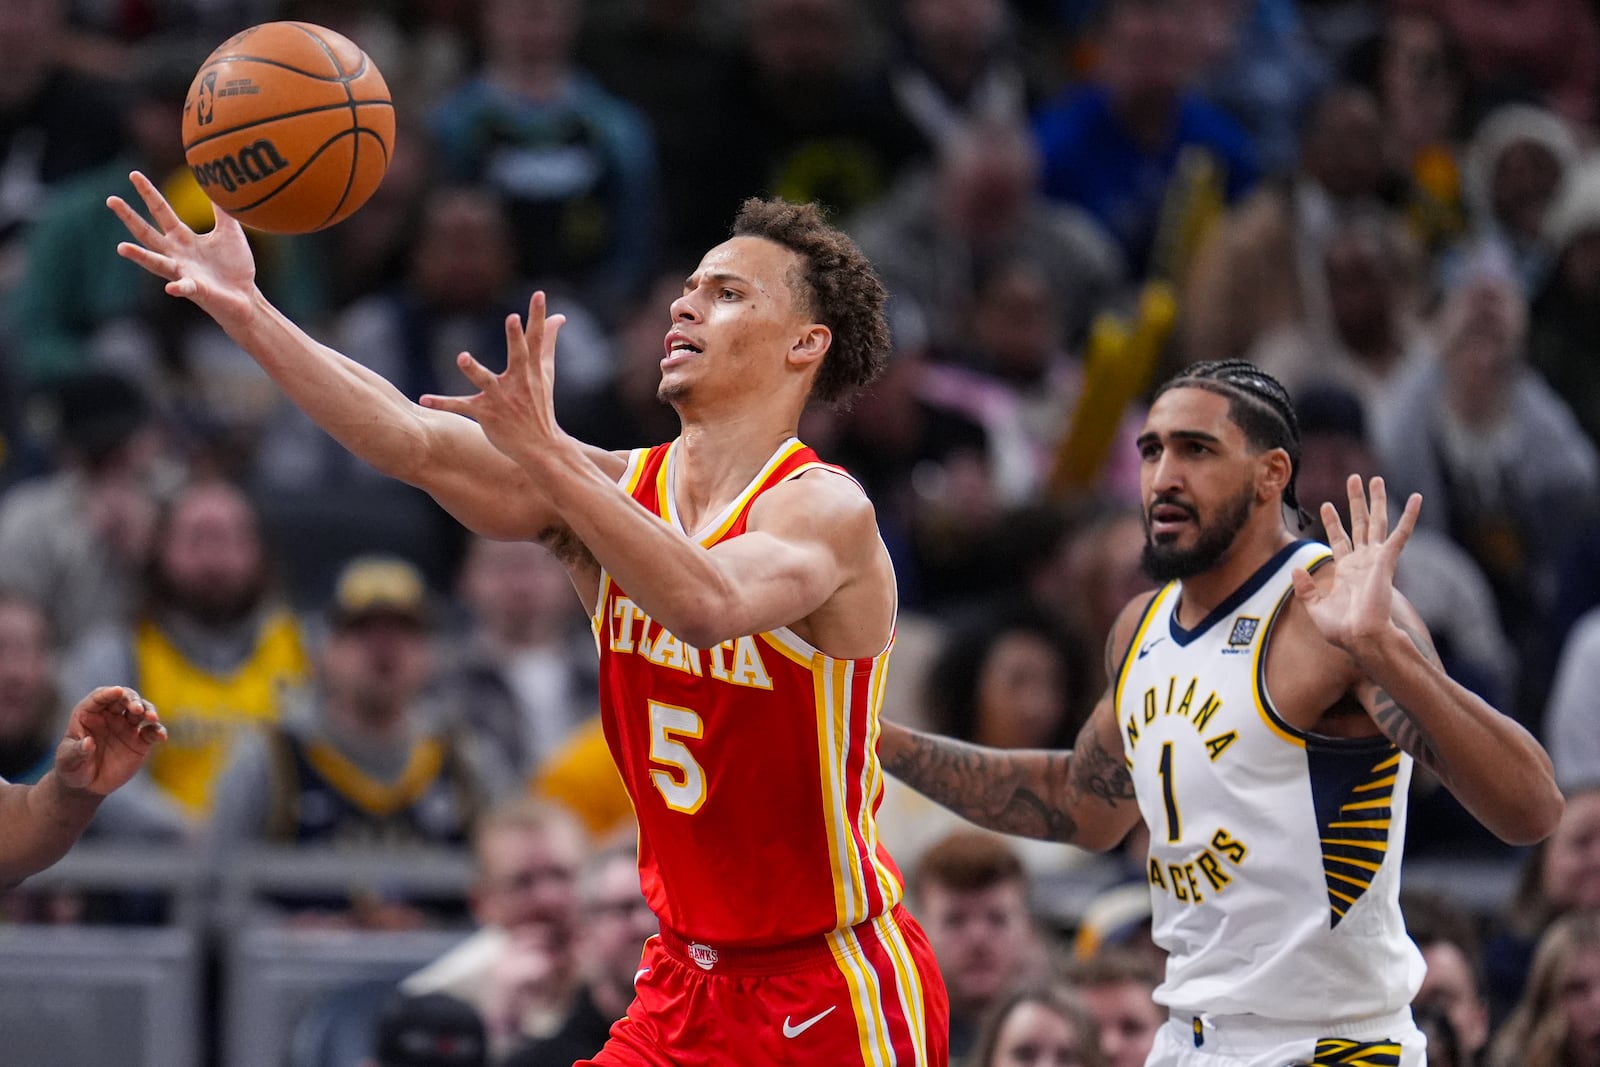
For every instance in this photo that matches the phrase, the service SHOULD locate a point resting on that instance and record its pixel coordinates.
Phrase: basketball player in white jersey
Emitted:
(1265, 709)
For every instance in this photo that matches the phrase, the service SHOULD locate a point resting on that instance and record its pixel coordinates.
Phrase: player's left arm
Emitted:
(1498, 771)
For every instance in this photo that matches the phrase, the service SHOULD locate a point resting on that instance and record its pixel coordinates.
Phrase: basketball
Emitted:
(288, 127)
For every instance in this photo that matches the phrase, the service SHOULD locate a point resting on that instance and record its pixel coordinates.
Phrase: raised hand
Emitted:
(216, 270)
(109, 734)
(516, 409)
(1353, 608)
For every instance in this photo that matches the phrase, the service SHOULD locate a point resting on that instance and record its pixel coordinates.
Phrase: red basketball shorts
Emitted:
(870, 996)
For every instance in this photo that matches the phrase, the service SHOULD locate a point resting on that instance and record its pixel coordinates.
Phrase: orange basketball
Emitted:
(288, 127)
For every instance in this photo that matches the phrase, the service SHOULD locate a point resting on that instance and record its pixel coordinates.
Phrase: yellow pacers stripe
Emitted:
(1370, 846)
(1341, 896)
(1358, 883)
(1392, 762)
(865, 1000)
(1370, 824)
(1363, 864)
(1364, 805)
(908, 981)
(1379, 784)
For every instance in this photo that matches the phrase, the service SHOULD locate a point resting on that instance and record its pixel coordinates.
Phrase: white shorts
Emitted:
(1250, 1041)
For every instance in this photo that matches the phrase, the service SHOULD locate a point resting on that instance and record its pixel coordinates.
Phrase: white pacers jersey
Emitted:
(1274, 854)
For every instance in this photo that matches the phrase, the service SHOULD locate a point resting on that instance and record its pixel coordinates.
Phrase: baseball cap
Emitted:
(430, 1030)
(379, 586)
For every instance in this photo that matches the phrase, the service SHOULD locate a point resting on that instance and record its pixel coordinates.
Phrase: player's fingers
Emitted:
(475, 372)
(456, 405)
(1358, 510)
(136, 223)
(1338, 540)
(71, 755)
(151, 733)
(517, 347)
(1378, 524)
(1408, 521)
(161, 212)
(154, 262)
(1305, 586)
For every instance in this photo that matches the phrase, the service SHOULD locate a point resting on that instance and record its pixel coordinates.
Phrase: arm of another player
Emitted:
(443, 454)
(1084, 797)
(1495, 768)
(108, 736)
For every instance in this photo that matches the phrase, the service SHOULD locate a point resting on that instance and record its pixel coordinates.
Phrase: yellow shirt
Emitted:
(204, 711)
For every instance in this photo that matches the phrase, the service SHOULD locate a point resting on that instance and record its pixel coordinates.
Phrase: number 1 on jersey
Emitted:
(1174, 824)
(684, 791)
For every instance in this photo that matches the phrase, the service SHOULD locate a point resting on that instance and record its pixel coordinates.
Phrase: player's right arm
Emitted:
(1083, 797)
(442, 453)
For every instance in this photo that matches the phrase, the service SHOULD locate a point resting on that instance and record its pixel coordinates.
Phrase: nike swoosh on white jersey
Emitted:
(800, 1028)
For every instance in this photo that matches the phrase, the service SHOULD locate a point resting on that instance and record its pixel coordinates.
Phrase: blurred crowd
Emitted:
(1391, 205)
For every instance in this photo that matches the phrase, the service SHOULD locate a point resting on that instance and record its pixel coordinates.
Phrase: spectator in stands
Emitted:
(615, 922)
(1560, 876)
(30, 703)
(1500, 457)
(1512, 173)
(1422, 83)
(939, 233)
(1259, 66)
(76, 540)
(574, 164)
(53, 122)
(1260, 268)
(1138, 144)
(1572, 720)
(1564, 328)
(971, 892)
(520, 970)
(365, 760)
(1453, 983)
(1557, 1022)
(211, 644)
(1366, 336)
(431, 1030)
(1038, 1026)
(1548, 50)
(957, 63)
(524, 674)
(108, 735)
(1117, 987)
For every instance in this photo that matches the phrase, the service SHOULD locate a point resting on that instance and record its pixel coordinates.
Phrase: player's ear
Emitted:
(1272, 473)
(811, 345)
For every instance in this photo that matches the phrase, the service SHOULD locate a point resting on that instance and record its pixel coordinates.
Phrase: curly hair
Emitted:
(839, 287)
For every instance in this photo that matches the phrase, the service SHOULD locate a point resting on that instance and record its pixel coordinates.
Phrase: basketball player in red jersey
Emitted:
(743, 604)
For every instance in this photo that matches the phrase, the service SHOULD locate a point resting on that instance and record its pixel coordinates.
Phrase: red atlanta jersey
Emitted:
(753, 765)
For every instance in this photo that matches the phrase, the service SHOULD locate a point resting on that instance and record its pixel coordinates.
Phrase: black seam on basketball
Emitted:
(290, 180)
(355, 156)
(317, 37)
(350, 178)
(281, 65)
(192, 145)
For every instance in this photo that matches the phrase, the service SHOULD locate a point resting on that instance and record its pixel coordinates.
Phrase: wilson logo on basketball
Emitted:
(253, 162)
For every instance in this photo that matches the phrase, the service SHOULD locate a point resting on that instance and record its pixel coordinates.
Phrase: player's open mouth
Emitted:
(679, 349)
(1169, 518)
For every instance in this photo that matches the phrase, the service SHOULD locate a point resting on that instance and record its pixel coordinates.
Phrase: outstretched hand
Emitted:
(216, 270)
(516, 409)
(109, 734)
(1353, 608)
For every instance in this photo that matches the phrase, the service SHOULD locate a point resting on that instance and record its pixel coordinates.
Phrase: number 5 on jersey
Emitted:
(683, 787)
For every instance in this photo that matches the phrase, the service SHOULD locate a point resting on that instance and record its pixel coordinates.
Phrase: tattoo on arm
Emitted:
(992, 787)
(1398, 726)
(1098, 773)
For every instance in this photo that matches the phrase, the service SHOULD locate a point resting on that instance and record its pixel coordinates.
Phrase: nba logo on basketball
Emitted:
(704, 956)
(205, 104)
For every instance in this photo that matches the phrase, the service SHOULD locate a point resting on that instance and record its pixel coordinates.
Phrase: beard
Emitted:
(1168, 563)
(211, 605)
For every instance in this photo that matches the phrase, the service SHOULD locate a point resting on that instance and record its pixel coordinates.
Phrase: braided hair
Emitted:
(1259, 405)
